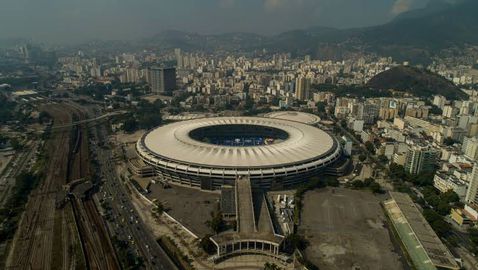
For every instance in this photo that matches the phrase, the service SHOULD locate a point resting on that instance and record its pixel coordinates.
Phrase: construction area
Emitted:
(423, 246)
(346, 229)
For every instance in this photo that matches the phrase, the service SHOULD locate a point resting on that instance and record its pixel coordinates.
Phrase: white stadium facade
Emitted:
(208, 153)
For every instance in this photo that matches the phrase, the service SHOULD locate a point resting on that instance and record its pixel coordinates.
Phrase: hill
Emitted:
(413, 36)
(415, 81)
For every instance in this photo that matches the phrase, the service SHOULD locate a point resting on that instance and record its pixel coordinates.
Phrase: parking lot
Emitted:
(189, 206)
(345, 229)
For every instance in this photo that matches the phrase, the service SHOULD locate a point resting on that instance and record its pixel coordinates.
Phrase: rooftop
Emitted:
(254, 220)
(423, 245)
(304, 143)
(301, 117)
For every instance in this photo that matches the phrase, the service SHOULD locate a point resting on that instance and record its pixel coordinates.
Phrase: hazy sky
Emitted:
(77, 20)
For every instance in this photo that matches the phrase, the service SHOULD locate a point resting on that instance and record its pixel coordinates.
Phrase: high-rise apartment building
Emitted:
(179, 58)
(472, 192)
(470, 147)
(370, 113)
(302, 88)
(421, 159)
(162, 80)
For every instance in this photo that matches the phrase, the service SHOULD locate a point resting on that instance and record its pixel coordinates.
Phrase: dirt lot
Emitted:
(129, 138)
(189, 206)
(346, 229)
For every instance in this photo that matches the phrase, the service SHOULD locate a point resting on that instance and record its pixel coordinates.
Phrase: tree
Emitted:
(473, 236)
(207, 245)
(443, 208)
(436, 110)
(158, 208)
(130, 125)
(370, 147)
(332, 182)
(294, 241)
(439, 225)
(424, 179)
(343, 123)
(216, 223)
(397, 171)
(148, 121)
(271, 266)
(43, 117)
(357, 184)
(375, 187)
(16, 144)
(321, 106)
(450, 197)
(367, 182)
(3, 139)
(362, 157)
(382, 159)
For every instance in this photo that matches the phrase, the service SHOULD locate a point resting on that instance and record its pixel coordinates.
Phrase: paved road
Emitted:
(127, 222)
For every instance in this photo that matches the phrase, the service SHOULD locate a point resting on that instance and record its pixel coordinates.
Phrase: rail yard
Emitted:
(57, 232)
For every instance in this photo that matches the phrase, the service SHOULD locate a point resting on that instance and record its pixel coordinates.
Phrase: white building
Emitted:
(472, 192)
(445, 182)
(470, 147)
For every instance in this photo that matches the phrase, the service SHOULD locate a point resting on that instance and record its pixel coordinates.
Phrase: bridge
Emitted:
(90, 120)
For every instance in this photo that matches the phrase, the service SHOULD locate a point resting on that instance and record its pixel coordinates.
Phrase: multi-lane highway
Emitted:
(127, 225)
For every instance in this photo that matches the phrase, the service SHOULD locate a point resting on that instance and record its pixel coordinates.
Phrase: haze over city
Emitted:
(67, 21)
(239, 134)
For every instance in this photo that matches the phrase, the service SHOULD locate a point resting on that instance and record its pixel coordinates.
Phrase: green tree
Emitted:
(450, 197)
(207, 245)
(367, 182)
(295, 241)
(148, 121)
(321, 106)
(382, 159)
(439, 225)
(271, 266)
(16, 144)
(216, 223)
(130, 125)
(473, 236)
(357, 184)
(370, 147)
(43, 117)
(158, 208)
(449, 141)
(376, 188)
(443, 208)
(332, 181)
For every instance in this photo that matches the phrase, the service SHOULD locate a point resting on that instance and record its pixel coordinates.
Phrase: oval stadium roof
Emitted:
(302, 117)
(172, 142)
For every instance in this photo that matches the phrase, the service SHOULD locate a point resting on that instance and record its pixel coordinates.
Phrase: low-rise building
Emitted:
(446, 182)
(459, 216)
(423, 246)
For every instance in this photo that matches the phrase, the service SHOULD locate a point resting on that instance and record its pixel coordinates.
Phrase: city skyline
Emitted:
(239, 134)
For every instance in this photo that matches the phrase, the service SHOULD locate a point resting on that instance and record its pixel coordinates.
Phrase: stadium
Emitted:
(211, 152)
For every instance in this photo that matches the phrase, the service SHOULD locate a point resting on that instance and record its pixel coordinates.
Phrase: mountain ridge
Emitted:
(416, 34)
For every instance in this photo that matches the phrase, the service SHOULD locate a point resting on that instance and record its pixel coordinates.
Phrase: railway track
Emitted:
(73, 237)
(33, 242)
(97, 245)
